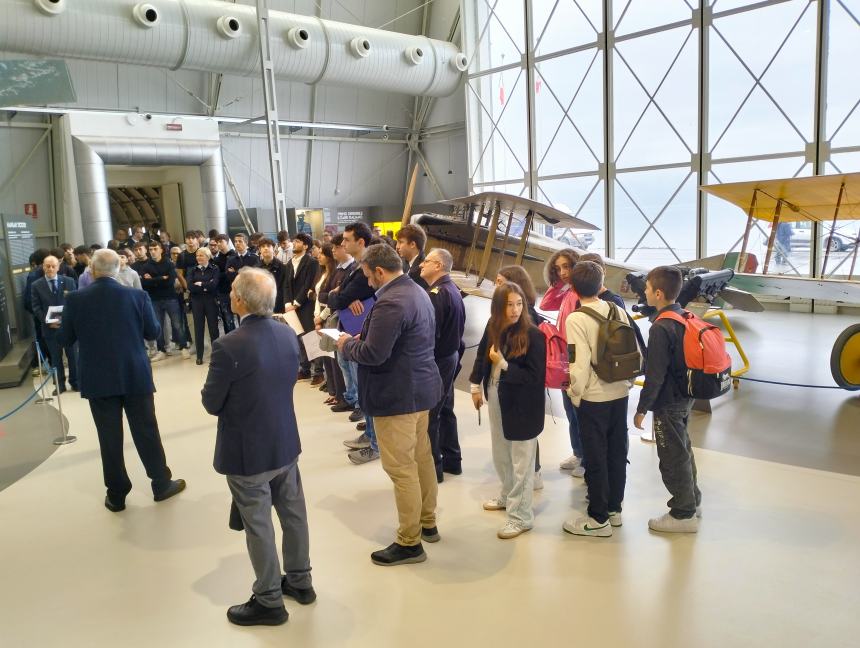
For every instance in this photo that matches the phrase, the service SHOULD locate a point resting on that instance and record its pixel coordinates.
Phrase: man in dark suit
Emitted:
(411, 240)
(51, 290)
(398, 384)
(106, 317)
(271, 263)
(250, 389)
(299, 279)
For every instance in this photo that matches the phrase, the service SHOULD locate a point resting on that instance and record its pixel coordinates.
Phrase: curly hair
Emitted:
(550, 274)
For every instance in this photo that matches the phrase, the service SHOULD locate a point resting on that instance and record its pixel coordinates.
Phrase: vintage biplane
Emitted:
(488, 230)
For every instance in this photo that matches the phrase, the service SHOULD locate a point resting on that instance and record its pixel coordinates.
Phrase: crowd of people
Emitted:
(391, 370)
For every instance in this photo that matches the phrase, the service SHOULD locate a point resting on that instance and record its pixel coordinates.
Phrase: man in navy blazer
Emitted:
(252, 373)
(106, 321)
(398, 385)
(51, 290)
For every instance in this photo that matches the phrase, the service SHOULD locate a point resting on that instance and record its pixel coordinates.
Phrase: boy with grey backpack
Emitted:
(604, 359)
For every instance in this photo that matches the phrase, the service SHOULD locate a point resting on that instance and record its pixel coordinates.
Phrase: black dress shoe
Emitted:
(452, 470)
(430, 535)
(304, 375)
(324, 387)
(112, 506)
(252, 613)
(304, 596)
(199, 361)
(356, 415)
(361, 427)
(342, 407)
(176, 486)
(398, 554)
(317, 380)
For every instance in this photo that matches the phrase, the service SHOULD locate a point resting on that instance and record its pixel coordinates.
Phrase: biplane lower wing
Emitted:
(836, 290)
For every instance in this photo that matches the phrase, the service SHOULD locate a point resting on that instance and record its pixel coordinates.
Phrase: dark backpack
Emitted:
(709, 367)
(617, 354)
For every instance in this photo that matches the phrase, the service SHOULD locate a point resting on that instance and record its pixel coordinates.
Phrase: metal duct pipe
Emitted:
(214, 36)
(92, 154)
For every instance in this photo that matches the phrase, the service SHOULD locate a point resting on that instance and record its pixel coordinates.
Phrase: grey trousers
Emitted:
(677, 463)
(255, 495)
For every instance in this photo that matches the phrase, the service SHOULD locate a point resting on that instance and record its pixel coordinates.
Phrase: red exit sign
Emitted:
(173, 127)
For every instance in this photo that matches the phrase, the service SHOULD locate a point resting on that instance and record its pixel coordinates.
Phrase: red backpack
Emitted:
(557, 369)
(709, 367)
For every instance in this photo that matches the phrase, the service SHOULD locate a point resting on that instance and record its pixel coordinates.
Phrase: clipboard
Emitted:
(54, 315)
(352, 323)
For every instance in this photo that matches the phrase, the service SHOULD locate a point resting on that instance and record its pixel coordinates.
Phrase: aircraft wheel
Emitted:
(845, 359)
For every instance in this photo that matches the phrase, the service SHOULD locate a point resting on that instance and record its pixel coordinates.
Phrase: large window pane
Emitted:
(843, 90)
(762, 80)
(569, 113)
(496, 30)
(655, 216)
(498, 137)
(563, 24)
(583, 197)
(637, 15)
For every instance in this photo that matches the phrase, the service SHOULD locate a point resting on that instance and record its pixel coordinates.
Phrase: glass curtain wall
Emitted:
(617, 110)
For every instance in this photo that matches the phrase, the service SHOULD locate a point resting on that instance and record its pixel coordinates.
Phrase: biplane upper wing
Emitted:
(806, 199)
(520, 207)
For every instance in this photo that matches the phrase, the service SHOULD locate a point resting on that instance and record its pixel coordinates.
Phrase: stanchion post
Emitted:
(42, 398)
(66, 438)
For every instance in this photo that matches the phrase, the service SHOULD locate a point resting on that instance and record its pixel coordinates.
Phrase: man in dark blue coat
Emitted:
(249, 388)
(51, 290)
(398, 385)
(106, 317)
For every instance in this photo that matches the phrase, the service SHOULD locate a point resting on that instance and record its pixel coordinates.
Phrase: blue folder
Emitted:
(352, 323)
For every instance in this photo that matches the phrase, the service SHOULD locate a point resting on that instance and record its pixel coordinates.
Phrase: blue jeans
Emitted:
(350, 379)
(371, 432)
(171, 308)
(572, 426)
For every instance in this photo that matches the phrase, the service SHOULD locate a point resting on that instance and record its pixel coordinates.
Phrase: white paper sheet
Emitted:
(53, 315)
(292, 321)
(334, 334)
(311, 340)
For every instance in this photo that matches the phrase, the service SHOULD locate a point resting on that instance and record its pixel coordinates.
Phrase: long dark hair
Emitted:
(518, 275)
(326, 260)
(513, 338)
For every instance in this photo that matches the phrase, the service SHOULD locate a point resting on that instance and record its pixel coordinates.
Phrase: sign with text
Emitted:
(20, 243)
(347, 215)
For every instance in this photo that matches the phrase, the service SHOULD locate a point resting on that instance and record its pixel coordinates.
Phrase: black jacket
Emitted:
(208, 277)
(158, 287)
(666, 368)
(299, 288)
(43, 297)
(414, 271)
(249, 388)
(396, 371)
(521, 386)
(450, 317)
(354, 287)
(236, 263)
(221, 260)
(278, 270)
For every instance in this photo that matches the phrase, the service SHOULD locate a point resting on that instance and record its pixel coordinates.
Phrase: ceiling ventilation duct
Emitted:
(214, 36)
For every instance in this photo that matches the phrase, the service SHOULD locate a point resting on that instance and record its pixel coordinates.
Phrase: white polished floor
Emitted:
(776, 562)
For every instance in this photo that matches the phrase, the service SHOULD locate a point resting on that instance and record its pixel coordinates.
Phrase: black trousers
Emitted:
(204, 309)
(604, 444)
(183, 318)
(333, 378)
(442, 428)
(226, 312)
(55, 353)
(140, 412)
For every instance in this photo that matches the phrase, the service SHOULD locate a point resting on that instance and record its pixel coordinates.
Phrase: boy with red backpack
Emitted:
(665, 394)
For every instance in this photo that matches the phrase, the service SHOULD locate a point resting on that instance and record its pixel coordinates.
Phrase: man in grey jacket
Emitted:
(398, 385)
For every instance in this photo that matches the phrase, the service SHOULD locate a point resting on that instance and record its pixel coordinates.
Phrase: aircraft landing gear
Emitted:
(845, 359)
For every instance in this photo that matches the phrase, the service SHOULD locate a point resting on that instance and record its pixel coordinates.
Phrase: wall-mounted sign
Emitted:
(347, 215)
(31, 210)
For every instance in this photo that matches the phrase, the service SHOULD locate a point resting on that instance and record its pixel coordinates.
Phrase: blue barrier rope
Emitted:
(30, 397)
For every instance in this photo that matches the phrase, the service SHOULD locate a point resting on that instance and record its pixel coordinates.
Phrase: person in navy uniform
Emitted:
(448, 351)
(51, 290)
(102, 319)
(202, 281)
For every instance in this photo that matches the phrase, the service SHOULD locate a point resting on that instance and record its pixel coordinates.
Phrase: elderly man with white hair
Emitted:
(252, 373)
(102, 319)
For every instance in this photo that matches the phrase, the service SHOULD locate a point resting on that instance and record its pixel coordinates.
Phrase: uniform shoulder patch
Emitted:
(435, 291)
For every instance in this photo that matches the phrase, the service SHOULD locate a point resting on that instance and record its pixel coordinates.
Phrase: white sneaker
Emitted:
(578, 472)
(538, 483)
(158, 356)
(588, 526)
(570, 463)
(495, 504)
(512, 529)
(668, 524)
(615, 518)
(186, 354)
(363, 456)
